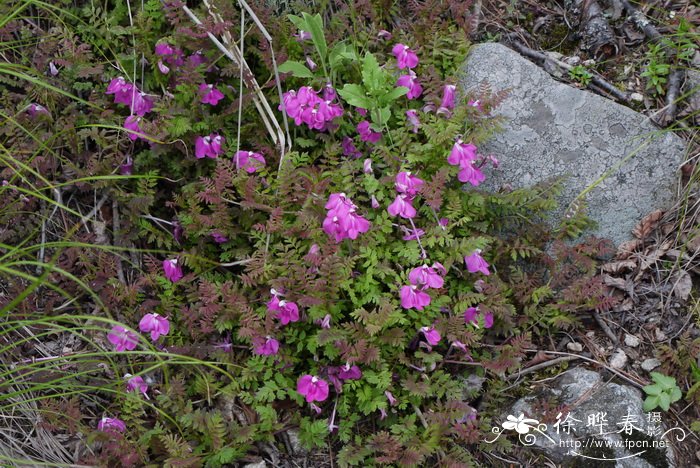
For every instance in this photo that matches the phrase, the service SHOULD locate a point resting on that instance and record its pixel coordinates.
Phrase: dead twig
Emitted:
(596, 80)
(641, 21)
(604, 326)
(667, 114)
(597, 37)
(541, 365)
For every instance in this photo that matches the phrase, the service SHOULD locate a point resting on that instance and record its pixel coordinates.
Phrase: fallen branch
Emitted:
(596, 80)
(542, 365)
(667, 114)
(641, 21)
(597, 37)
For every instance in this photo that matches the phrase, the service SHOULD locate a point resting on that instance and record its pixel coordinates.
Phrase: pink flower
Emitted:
(121, 89)
(273, 305)
(140, 103)
(218, 237)
(128, 167)
(471, 316)
(366, 133)
(384, 34)
(304, 106)
(431, 335)
(325, 322)
(367, 166)
(136, 384)
(459, 345)
(361, 111)
(390, 397)
(413, 234)
(111, 425)
(443, 222)
(375, 202)
(342, 221)
(196, 59)
(266, 347)
(208, 146)
(477, 104)
(52, 69)
(475, 262)
(408, 184)
(172, 270)
(412, 297)
(470, 173)
(382, 414)
(249, 161)
(348, 372)
(402, 206)
(310, 63)
(405, 57)
(163, 68)
(122, 339)
(448, 100)
(288, 312)
(155, 324)
(131, 124)
(410, 81)
(209, 94)
(429, 277)
(462, 154)
(412, 117)
(164, 49)
(313, 388)
(303, 35)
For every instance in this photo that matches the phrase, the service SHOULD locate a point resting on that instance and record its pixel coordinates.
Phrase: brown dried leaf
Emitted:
(619, 266)
(628, 248)
(647, 224)
(618, 283)
(683, 285)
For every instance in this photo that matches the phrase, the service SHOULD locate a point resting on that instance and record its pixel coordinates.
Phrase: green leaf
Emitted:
(675, 394)
(380, 117)
(372, 76)
(355, 96)
(650, 403)
(315, 25)
(393, 95)
(664, 401)
(340, 52)
(653, 389)
(664, 380)
(300, 23)
(297, 69)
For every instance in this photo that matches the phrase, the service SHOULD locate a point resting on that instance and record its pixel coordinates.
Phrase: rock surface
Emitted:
(553, 129)
(597, 411)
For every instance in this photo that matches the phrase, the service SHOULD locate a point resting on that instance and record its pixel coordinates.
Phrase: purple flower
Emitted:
(36, 109)
(410, 81)
(462, 154)
(443, 222)
(131, 124)
(303, 35)
(367, 166)
(361, 111)
(196, 59)
(412, 117)
(471, 316)
(430, 277)
(459, 345)
(121, 89)
(128, 167)
(164, 49)
(408, 184)
(375, 202)
(266, 347)
(448, 100)
(413, 234)
(313, 388)
(208, 146)
(405, 57)
(432, 336)
(366, 133)
(475, 262)
(155, 324)
(384, 34)
(249, 161)
(140, 103)
(412, 297)
(382, 414)
(325, 322)
(111, 425)
(348, 372)
(52, 69)
(402, 206)
(218, 237)
(209, 94)
(136, 384)
(163, 68)
(122, 339)
(287, 312)
(304, 106)
(310, 63)
(342, 220)
(172, 270)
(390, 397)
(470, 173)
(477, 104)
(349, 148)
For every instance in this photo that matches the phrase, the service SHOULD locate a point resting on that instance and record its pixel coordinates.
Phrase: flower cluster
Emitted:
(338, 374)
(172, 270)
(366, 133)
(410, 81)
(431, 335)
(407, 186)
(305, 106)
(155, 325)
(464, 156)
(135, 383)
(209, 94)
(139, 103)
(405, 57)
(208, 146)
(265, 346)
(471, 316)
(475, 262)
(422, 278)
(342, 220)
(313, 388)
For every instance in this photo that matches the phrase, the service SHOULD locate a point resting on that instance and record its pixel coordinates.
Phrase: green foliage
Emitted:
(661, 393)
(581, 74)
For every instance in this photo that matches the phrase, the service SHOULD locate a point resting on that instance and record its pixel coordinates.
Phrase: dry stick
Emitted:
(116, 240)
(605, 328)
(541, 365)
(601, 83)
(641, 21)
(667, 114)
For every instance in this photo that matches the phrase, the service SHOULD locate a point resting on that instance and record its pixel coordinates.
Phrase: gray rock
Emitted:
(553, 129)
(632, 340)
(597, 412)
(260, 464)
(618, 360)
(650, 364)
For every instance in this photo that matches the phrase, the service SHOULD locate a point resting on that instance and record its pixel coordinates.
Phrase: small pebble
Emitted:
(650, 364)
(637, 97)
(618, 360)
(574, 347)
(631, 340)
(659, 335)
